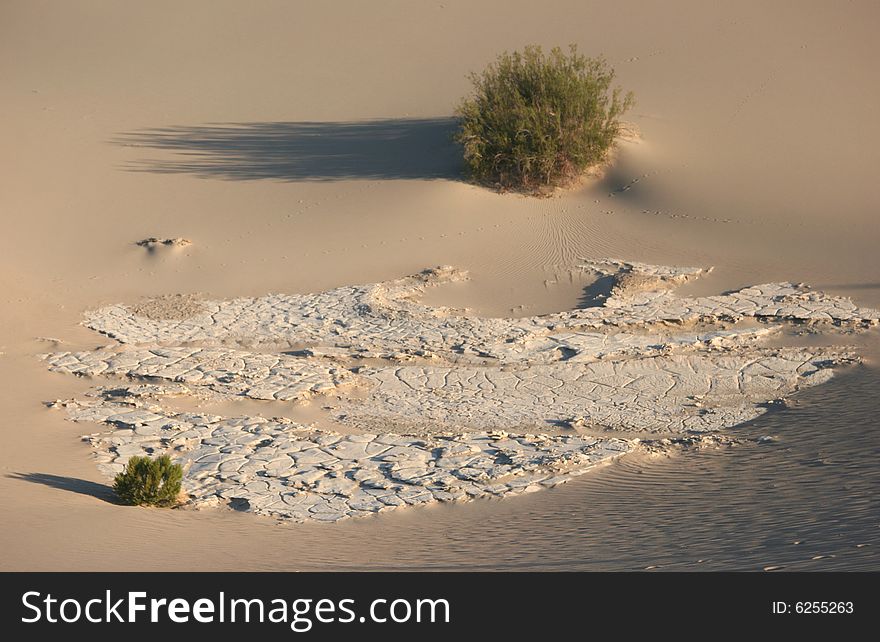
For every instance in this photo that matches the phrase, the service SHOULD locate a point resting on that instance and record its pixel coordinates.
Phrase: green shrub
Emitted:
(146, 481)
(539, 121)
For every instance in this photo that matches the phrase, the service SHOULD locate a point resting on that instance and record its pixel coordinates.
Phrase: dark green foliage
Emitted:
(538, 121)
(146, 481)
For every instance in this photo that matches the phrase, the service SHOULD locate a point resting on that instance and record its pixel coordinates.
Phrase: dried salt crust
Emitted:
(448, 406)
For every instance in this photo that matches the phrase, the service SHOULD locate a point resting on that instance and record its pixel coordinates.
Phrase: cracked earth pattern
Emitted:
(442, 405)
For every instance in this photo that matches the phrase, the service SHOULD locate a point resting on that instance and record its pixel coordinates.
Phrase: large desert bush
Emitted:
(537, 121)
(151, 482)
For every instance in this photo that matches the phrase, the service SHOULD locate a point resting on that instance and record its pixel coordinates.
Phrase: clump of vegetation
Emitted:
(539, 121)
(149, 482)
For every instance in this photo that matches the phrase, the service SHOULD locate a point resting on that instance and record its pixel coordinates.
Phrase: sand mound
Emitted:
(168, 306)
(153, 243)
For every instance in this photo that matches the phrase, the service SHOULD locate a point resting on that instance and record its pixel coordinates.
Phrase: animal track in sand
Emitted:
(441, 405)
(760, 89)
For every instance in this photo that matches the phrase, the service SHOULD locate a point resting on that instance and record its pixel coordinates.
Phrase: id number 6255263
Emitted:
(814, 608)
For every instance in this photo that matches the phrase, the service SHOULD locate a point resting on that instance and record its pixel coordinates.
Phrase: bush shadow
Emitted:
(399, 148)
(70, 484)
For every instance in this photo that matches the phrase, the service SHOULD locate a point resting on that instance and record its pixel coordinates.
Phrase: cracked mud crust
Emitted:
(442, 405)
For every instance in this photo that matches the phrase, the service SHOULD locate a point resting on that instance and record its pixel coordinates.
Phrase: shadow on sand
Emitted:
(70, 484)
(596, 294)
(400, 148)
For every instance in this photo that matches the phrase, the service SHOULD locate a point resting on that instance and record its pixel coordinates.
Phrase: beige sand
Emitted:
(757, 156)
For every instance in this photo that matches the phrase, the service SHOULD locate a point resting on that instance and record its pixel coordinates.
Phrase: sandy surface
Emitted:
(305, 148)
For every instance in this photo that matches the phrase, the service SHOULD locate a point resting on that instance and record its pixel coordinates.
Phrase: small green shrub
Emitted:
(146, 481)
(539, 121)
